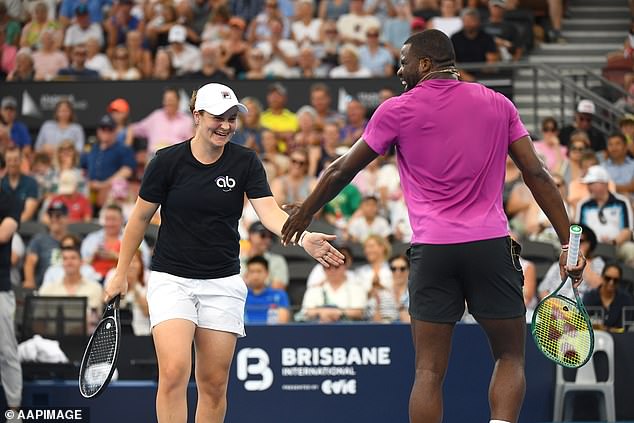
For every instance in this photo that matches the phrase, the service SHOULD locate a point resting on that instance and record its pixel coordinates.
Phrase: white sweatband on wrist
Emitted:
(498, 421)
(301, 238)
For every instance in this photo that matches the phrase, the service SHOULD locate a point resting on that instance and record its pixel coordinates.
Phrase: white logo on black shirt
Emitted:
(226, 183)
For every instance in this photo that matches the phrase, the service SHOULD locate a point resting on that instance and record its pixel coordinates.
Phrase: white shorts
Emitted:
(216, 304)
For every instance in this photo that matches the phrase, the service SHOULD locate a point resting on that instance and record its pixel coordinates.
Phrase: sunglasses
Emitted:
(584, 118)
(577, 148)
(398, 268)
(298, 162)
(372, 34)
(610, 279)
(549, 129)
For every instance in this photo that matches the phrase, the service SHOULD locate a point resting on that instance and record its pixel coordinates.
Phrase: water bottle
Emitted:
(273, 315)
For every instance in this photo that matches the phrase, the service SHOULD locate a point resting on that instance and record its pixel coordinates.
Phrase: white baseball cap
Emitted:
(586, 106)
(217, 99)
(596, 174)
(177, 34)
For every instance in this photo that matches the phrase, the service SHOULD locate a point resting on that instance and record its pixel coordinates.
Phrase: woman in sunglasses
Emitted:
(610, 298)
(390, 305)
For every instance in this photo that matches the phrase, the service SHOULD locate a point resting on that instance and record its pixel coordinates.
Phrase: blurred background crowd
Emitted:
(78, 181)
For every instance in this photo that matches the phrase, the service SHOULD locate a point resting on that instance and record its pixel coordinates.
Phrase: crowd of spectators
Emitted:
(219, 39)
(67, 182)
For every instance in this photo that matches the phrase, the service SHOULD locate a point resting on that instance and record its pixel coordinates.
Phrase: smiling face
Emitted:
(216, 130)
(409, 72)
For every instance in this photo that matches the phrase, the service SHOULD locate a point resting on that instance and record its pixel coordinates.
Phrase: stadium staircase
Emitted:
(591, 28)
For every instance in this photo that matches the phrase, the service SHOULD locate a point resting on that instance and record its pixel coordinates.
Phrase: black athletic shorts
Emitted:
(486, 274)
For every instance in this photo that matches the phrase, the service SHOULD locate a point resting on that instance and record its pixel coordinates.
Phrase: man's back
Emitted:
(452, 140)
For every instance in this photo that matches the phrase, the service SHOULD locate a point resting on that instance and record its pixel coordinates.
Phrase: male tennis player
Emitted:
(451, 140)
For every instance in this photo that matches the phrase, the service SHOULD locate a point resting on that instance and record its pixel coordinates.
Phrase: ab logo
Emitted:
(254, 362)
(225, 183)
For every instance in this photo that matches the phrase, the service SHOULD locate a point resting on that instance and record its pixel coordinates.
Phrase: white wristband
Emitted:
(301, 238)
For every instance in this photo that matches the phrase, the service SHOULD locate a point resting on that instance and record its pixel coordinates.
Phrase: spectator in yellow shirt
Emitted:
(277, 117)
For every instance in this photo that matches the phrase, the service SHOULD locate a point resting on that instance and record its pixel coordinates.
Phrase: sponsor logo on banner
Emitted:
(335, 366)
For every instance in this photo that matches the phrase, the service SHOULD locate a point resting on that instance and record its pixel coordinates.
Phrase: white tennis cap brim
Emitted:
(217, 99)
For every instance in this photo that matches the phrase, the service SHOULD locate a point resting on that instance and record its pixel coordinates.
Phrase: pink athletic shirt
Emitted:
(451, 139)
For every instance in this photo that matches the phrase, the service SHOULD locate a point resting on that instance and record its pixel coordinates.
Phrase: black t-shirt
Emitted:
(597, 140)
(9, 208)
(472, 50)
(200, 208)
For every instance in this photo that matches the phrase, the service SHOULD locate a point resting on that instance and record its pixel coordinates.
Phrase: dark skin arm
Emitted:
(335, 178)
(543, 188)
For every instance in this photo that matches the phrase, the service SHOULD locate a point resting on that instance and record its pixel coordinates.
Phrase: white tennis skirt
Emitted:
(216, 304)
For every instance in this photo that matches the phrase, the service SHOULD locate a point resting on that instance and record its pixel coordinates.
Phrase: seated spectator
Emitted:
(95, 59)
(294, 186)
(271, 153)
(120, 22)
(163, 69)
(79, 32)
(140, 56)
(261, 297)
(259, 28)
(255, 61)
(43, 249)
(374, 57)
(391, 305)
(578, 148)
(626, 125)
(448, 22)
(354, 25)
(101, 248)
(42, 171)
(95, 9)
(160, 20)
(18, 130)
(321, 101)
(335, 299)
(619, 165)
(505, 34)
(318, 275)
(610, 297)
(61, 127)
(277, 117)
(121, 69)
(306, 135)
(549, 148)
(23, 187)
(380, 8)
(165, 126)
(55, 272)
(49, 58)
(24, 67)
(106, 161)
(368, 222)
(210, 64)
(308, 65)
(472, 44)
(67, 158)
(281, 53)
(79, 208)
(591, 273)
(538, 227)
(350, 64)
(355, 122)
(608, 214)
(234, 48)
(333, 9)
(8, 55)
(376, 272)
(77, 70)
(325, 152)
(397, 29)
(306, 28)
(340, 209)
(216, 26)
(583, 120)
(119, 109)
(327, 50)
(259, 244)
(73, 283)
(185, 57)
(249, 131)
(426, 9)
(40, 21)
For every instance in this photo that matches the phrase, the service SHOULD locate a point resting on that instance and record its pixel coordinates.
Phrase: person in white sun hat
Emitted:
(195, 292)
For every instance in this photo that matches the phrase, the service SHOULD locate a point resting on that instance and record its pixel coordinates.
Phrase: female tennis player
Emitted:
(451, 140)
(195, 292)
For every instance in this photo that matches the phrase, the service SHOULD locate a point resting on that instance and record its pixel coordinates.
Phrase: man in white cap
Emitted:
(195, 289)
(607, 213)
(185, 57)
(583, 120)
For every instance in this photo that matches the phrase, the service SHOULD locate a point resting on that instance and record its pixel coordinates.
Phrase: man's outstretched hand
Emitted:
(295, 225)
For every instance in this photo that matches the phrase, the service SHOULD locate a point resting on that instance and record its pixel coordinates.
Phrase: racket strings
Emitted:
(101, 357)
(562, 332)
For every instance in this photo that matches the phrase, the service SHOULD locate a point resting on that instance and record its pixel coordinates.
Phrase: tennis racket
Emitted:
(561, 326)
(101, 353)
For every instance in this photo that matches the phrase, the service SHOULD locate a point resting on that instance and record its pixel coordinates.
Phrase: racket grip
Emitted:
(573, 248)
